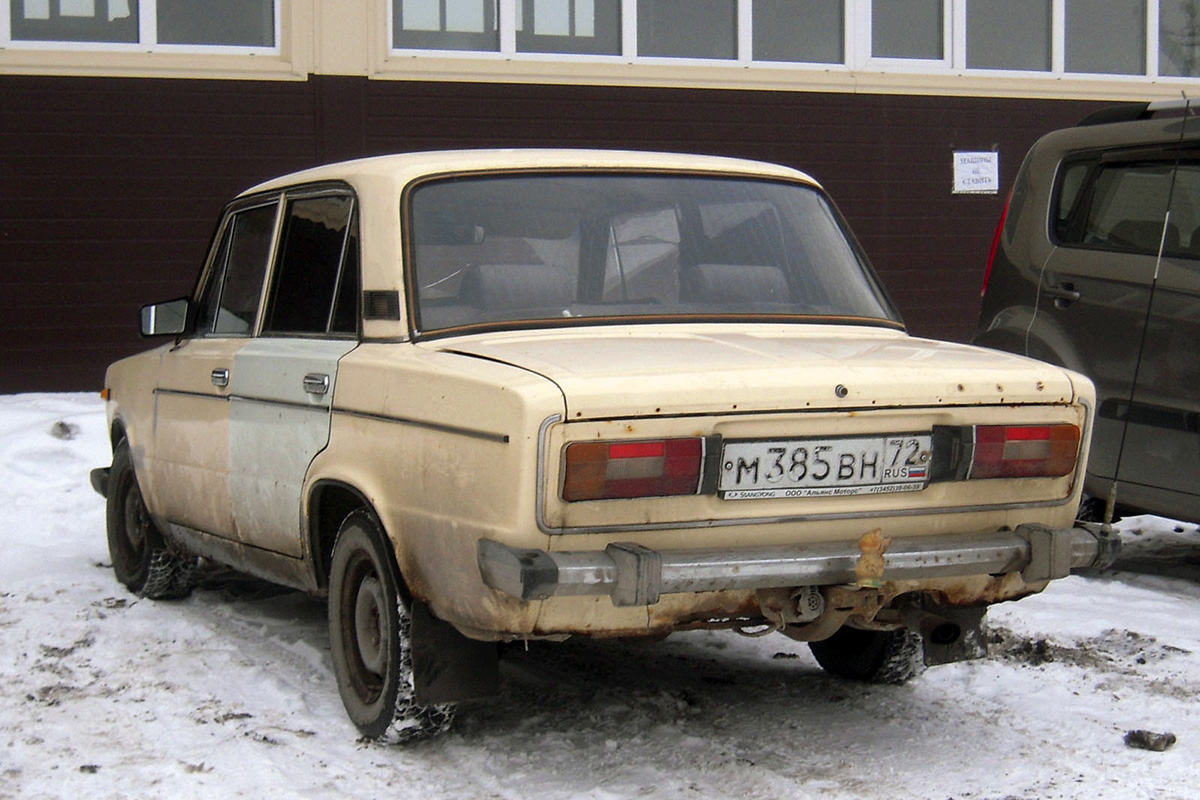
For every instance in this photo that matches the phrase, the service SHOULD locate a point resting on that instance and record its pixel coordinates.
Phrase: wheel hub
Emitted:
(135, 520)
(368, 624)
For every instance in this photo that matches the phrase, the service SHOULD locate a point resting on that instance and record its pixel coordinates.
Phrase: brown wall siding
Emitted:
(109, 188)
(108, 194)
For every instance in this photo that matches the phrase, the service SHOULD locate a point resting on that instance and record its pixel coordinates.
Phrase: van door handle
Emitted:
(220, 378)
(316, 383)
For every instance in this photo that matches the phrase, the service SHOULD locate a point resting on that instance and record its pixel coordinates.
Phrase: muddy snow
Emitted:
(230, 693)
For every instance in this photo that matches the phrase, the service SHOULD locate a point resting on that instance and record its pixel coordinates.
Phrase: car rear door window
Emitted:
(316, 271)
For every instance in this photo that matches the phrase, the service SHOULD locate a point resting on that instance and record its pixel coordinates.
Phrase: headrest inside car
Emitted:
(511, 287)
(736, 283)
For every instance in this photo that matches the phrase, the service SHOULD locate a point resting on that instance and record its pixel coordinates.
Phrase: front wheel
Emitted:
(871, 656)
(370, 630)
(141, 559)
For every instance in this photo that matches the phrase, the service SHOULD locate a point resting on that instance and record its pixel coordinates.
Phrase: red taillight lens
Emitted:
(1024, 451)
(608, 470)
(987, 273)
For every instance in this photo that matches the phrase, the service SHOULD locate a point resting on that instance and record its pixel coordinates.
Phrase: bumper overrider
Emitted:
(633, 575)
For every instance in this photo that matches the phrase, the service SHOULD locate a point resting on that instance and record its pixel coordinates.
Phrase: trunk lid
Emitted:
(650, 371)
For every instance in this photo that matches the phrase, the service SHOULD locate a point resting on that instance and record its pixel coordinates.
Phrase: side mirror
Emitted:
(169, 318)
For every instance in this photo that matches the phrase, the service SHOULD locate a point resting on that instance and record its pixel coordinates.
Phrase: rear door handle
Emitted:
(1063, 293)
(220, 378)
(316, 383)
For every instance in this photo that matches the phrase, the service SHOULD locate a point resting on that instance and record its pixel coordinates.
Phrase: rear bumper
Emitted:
(634, 575)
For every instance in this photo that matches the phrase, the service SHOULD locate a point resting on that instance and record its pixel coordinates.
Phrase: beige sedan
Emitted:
(479, 397)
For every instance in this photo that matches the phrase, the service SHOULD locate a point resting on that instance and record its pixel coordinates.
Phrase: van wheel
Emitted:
(871, 656)
(370, 630)
(140, 557)
(1091, 509)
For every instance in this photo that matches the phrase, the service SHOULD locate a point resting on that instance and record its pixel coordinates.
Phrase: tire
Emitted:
(871, 656)
(370, 631)
(1091, 509)
(140, 557)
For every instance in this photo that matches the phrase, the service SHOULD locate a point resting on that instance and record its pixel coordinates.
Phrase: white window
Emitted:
(569, 26)
(445, 25)
(811, 31)
(687, 28)
(1106, 36)
(74, 20)
(911, 29)
(1179, 38)
(232, 25)
(1053, 38)
(1013, 35)
(246, 23)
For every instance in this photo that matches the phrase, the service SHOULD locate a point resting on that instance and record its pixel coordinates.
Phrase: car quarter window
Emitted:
(315, 281)
(1068, 197)
(345, 308)
(229, 300)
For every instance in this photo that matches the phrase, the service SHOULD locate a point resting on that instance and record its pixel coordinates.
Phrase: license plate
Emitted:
(824, 467)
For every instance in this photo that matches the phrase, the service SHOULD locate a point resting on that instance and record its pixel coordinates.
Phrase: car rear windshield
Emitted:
(567, 249)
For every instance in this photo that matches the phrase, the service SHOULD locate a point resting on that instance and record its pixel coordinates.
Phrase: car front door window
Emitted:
(229, 304)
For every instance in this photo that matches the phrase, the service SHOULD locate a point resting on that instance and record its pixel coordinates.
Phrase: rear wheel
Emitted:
(141, 559)
(871, 656)
(371, 636)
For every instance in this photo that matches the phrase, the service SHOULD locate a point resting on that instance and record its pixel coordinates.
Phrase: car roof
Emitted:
(1128, 125)
(400, 169)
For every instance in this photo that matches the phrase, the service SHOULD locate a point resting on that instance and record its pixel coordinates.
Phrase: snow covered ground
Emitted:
(230, 693)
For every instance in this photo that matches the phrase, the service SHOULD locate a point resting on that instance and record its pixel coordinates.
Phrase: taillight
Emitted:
(987, 273)
(609, 470)
(1024, 451)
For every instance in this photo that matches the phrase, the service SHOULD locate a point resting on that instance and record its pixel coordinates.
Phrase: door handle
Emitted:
(316, 383)
(1063, 293)
(220, 378)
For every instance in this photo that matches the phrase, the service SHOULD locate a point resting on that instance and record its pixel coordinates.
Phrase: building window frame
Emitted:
(747, 50)
(857, 47)
(962, 48)
(864, 29)
(530, 39)
(147, 40)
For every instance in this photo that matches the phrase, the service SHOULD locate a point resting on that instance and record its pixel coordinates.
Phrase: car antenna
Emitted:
(1109, 506)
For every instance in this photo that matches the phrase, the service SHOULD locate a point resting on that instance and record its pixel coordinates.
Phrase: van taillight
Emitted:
(987, 273)
(610, 470)
(1024, 451)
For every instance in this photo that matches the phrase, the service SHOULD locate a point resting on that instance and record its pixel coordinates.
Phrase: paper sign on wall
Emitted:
(976, 172)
